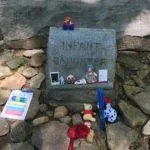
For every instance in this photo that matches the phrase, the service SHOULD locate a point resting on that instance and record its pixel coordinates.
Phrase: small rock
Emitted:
(16, 62)
(143, 73)
(50, 114)
(60, 112)
(34, 105)
(66, 119)
(4, 72)
(40, 120)
(20, 131)
(132, 63)
(132, 90)
(6, 57)
(29, 72)
(129, 82)
(18, 146)
(51, 136)
(120, 137)
(143, 101)
(138, 81)
(15, 81)
(4, 127)
(37, 60)
(29, 53)
(4, 95)
(36, 81)
(132, 115)
(146, 128)
(43, 108)
(77, 119)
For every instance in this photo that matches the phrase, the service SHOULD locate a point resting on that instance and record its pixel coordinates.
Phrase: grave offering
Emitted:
(70, 52)
(17, 105)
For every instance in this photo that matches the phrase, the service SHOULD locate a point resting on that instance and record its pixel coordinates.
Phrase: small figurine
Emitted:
(88, 114)
(71, 79)
(62, 80)
(91, 76)
(110, 113)
(80, 82)
(68, 25)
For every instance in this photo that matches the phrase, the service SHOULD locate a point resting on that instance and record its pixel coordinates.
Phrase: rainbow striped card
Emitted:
(17, 105)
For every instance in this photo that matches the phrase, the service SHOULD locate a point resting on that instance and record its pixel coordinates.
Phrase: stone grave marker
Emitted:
(69, 52)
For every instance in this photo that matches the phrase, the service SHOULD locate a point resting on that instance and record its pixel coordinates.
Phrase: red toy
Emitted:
(68, 25)
(77, 131)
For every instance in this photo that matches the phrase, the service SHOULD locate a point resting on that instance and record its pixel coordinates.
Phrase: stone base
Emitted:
(74, 99)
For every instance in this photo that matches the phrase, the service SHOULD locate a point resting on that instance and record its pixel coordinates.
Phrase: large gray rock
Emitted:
(18, 146)
(120, 137)
(132, 115)
(143, 101)
(51, 136)
(20, 131)
(23, 19)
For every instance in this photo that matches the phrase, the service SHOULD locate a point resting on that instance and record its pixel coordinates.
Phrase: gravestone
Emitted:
(69, 52)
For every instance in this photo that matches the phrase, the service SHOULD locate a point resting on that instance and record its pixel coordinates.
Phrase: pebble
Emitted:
(50, 114)
(4, 72)
(40, 120)
(43, 108)
(60, 112)
(37, 60)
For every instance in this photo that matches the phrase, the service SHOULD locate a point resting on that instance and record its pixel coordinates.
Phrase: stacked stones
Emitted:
(133, 101)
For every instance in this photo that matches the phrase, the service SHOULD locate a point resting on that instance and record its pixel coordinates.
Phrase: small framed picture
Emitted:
(54, 77)
(103, 75)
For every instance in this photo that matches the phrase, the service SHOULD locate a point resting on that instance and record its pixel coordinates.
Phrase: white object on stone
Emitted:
(80, 82)
(29, 53)
(146, 128)
(110, 113)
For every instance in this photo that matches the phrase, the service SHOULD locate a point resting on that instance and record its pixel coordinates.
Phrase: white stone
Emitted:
(146, 128)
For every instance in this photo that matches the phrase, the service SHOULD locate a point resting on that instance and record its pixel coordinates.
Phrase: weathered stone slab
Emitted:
(71, 52)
